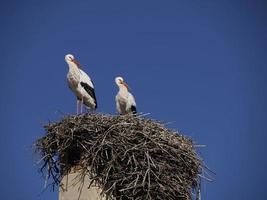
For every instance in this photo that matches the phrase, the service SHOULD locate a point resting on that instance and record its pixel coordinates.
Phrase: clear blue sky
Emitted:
(199, 63)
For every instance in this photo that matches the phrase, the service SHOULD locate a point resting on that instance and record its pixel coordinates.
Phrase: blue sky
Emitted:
(200, 64)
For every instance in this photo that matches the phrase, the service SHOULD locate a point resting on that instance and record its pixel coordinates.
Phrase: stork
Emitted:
(125, 101)
(80, 84)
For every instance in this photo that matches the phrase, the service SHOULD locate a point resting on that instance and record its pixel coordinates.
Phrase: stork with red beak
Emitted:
(125, 101)
(80, 84)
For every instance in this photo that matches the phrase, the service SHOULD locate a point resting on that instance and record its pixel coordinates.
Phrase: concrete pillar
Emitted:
(72, 189)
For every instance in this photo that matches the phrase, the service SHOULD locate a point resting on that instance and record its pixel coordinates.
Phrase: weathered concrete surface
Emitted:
(71, 189)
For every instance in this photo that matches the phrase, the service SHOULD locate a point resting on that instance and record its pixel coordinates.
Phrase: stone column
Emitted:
(73, 189)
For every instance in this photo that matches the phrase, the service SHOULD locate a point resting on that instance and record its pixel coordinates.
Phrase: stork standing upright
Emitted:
(125, 101)
(80, 83)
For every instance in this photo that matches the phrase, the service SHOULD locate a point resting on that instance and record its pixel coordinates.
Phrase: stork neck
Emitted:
(123, 89)
(73, 67)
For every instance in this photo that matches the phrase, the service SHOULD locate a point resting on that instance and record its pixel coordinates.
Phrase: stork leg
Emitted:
(78, 106)
(82, 106)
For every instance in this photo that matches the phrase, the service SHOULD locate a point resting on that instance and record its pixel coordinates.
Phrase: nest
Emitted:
(128, 157)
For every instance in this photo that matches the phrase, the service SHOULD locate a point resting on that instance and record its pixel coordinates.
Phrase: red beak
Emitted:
(125, 84)
(77, 62)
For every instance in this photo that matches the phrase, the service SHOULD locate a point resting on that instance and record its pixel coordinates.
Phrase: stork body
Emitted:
(125, 101)
(81, 85)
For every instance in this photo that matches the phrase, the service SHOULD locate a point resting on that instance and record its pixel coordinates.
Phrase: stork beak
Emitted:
(77, 62)
(125, 84)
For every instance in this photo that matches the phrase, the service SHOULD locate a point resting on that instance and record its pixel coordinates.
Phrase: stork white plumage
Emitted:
(81, 85)
(125, 101)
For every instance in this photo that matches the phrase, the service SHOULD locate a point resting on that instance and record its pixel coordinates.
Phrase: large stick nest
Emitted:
(128, 157)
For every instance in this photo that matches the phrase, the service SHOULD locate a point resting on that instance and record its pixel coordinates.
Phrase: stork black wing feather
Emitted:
(133, 109)
(90, 91)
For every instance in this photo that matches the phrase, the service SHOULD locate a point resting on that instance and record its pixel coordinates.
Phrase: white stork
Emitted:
(125, 101)
(80, 83)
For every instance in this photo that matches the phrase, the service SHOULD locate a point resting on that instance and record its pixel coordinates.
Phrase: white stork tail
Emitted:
(80, 84)
(125, 101)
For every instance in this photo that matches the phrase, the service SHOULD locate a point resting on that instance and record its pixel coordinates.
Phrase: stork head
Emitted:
(120, 82)
(70, 60)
